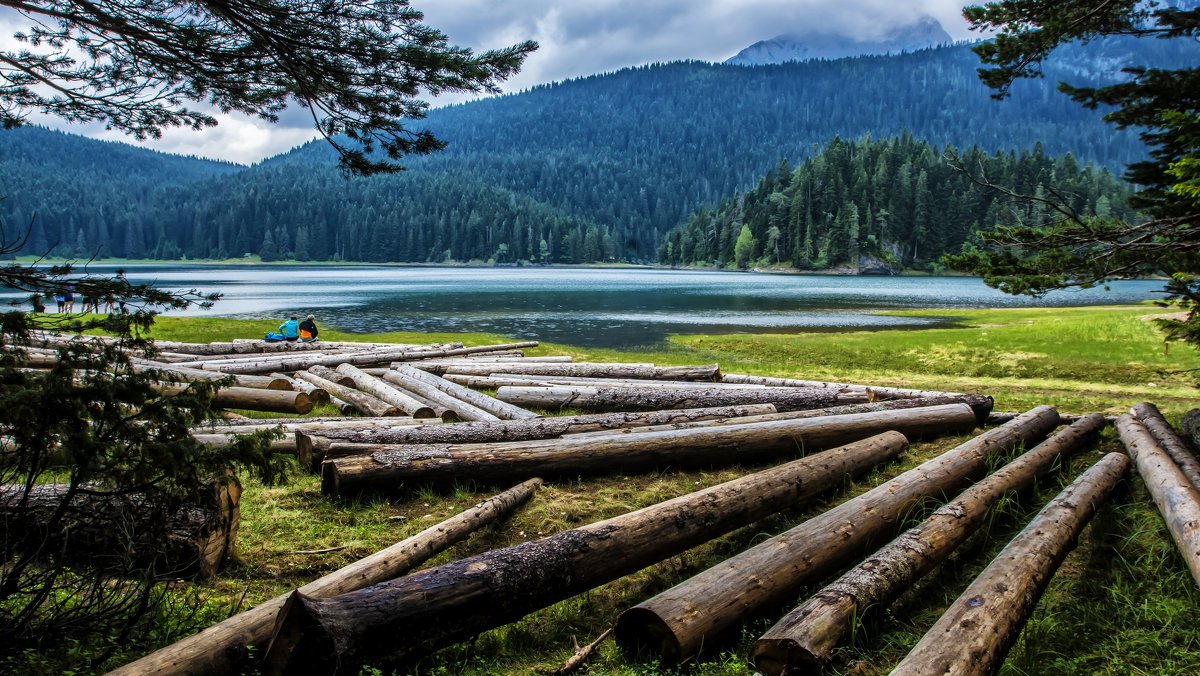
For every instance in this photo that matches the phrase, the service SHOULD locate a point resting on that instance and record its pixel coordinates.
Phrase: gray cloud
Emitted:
(577, 39)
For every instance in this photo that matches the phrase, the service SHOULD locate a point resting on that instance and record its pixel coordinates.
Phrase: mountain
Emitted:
(596, 168)
(817, 43)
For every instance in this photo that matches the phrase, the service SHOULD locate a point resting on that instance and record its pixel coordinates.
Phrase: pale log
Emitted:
(223, 647)
(973, 636)
(805, 638)
(266, 382)
(641, 399)
(700, 611)
(462, 409)
(1149, 415)
(298, 362)
(315, 393)
(385, 392)
(416, 614)
(249, 398)
(331, 375)
(500, 409)
(881, 392)
(602, 370)
(313, 445)
(388, 467)
(360, 400)
(1177, 500)
(316, 424)
(501, 379)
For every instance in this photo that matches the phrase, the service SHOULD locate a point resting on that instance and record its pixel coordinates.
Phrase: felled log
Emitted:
(310, 423)
(601, 370)
(501, 379)
(428, 609)
(223, 647)
(675, 624)
(312, 446)
(1177, 500)
(285, 445)
(388, 467)
(880, 392)
(974, 634)
(315, 393)
(385, 392)
(123, 528)
(269, 382)
(500, 409)
(361, 401)
(1189, 428)
(443, 413)
(299, 362)
(1149, 415)
(331, 375)
(641, 399)
(806, 637)
(250, 398)
(462, 410)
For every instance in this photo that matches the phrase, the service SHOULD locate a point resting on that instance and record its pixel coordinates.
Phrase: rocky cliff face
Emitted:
(816, 43)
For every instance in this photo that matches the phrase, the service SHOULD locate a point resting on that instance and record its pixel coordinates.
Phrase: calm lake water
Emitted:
(590, 307)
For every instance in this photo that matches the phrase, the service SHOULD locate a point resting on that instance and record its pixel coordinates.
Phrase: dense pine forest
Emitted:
(593, 169)
(883, 206)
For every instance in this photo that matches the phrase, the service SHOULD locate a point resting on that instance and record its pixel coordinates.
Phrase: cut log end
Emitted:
(642, 633)
(297, 647)
(775, 657)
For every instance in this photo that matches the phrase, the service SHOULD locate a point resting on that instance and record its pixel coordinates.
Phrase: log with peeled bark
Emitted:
(316, 424)
(224, 647)
(313, 445)
(1177, 500)
(443, 413)
(388, 467)
(249, 398)
(380, 356)
(981, 405)
(124, 527)
(589, 369)
(500, 409)
(501, 379)
(974, 634)
(315, 393)
(361, 401)
(385, 392)
(700, 611)
(462, 409)
(1149, 415)
(805, 638)
(285, 445)
(880, 392)
(332, 375)
(642, 399)
(420, 612)
(269, 382)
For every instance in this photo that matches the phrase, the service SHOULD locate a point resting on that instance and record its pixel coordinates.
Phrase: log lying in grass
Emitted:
(315, 393)
(675, 624)
(428, 609)
(223, 647)
(385, 392)
(313, 445)
(805, 638)
(498, 380)
(590, 369)
(879, 392)
(332, 375)
(388, 467)
(1189, 428)
(497, 408)
(1149, 415)
(1177, 500)
(462, 409)
(250, 398)
(294, 362)
(311, 423)
(975, 633)
(642, 399)
(361, 401)
(285, 445)
(123, 527)
(270, 382)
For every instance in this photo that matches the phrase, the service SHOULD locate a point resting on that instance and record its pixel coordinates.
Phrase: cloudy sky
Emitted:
(576, 39)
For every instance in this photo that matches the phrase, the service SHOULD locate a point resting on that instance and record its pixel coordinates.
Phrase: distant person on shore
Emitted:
(69, 299)
(308, 329)
(60, 299)
(290, 330)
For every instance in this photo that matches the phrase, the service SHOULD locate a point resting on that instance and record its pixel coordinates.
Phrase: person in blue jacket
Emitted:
(290, 329)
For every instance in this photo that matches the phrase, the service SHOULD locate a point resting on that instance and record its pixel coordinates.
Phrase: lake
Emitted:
(599, 307)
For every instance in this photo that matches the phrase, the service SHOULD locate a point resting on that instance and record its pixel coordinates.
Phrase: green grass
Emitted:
(1122, 603)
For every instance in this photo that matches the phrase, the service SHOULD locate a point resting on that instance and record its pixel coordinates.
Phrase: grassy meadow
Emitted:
(1122, 603)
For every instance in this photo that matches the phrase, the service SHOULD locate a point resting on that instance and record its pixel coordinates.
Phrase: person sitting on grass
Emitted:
(290, 330)
(308, 330)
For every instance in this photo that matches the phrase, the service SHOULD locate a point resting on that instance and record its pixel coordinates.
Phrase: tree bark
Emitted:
(462, 409)
(124, 527)
(315, 393)
(332, 375)
(385, 392)
(586, 369)
(1177, 500)
(975, 633)
(880, 392)
(249, 398)
(805, 638)
(386, 467)
(635, 399)
(500, 409)
(501, 379)
(269, 382)
(428, 609)
(223, 647)
(1189, 426)
(362, 401)
(675, 624)
(311, 424)
(313, 446)
(284, 445)
(1149, 415)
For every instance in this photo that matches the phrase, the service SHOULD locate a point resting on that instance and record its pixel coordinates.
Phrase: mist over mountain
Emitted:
(816, 42)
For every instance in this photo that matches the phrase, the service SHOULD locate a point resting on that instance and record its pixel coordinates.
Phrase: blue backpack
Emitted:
(273, 337)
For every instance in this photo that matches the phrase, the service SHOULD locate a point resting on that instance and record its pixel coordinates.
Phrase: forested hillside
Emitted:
(598, 168)
(880, 206)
